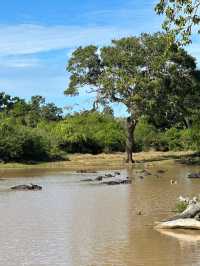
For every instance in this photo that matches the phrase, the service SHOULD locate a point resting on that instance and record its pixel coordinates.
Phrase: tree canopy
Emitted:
(141, 73)
(181, 17)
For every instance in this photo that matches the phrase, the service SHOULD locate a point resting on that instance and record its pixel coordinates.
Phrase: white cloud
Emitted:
(19, 62)
(30, 39)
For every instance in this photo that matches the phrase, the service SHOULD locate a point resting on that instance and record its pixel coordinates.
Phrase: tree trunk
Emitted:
(130, 139)
(188, 223)
(190, 212)
(189, 219)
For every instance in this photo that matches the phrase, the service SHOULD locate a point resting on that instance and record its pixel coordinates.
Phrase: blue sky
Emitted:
(38, 36)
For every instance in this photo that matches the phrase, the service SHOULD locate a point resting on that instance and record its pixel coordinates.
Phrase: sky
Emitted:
(37, 38)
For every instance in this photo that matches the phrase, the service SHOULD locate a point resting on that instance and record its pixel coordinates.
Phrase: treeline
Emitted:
(38, 131)
(21, 136)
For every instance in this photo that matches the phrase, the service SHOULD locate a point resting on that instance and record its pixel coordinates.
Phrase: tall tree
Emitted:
(50, 112)
(134, 71)
(181, 16)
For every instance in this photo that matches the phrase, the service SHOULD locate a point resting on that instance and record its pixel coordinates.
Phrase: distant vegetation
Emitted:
(155, 79)
(37, 131)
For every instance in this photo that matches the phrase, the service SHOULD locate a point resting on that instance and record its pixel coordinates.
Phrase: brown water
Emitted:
(73, 223)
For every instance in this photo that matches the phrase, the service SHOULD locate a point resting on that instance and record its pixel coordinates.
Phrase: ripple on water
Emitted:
(78, 224)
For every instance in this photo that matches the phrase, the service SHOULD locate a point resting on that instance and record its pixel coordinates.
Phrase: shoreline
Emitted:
(100, 161)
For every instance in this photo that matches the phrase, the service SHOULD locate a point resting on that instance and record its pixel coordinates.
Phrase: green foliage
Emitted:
(181, 206)
(35, 131)
(84, 132)
(149, 137)
(90, 132)
(126, 71)
(147, 77)
(20, 136)
(146, 135)
(19, 143)
(195, 136)
(181, 16)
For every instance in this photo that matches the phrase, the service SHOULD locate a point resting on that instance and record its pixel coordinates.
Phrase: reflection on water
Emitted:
(74, 223)
(182, 235)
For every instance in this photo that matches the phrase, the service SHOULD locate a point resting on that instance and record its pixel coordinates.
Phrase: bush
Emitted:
(18, 143)
(90, 132)
(34, 146)
(195, 137)
(146, 136)
(177, 140)
(181, 206)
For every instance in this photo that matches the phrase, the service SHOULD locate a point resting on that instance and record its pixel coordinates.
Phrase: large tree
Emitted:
(181, 16)
(137, 72)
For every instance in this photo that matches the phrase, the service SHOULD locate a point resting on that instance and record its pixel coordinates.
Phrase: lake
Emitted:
(75, 223)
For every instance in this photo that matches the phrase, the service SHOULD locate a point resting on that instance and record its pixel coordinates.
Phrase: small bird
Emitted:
(173, 182)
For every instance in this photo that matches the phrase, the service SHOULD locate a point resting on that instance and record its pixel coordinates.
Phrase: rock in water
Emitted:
(117, 173)
(99, 178)
(194, 175)
(109, 175)
(117, 182)
(188, 219)
(27, 187)
(187, 223)
(87, 180)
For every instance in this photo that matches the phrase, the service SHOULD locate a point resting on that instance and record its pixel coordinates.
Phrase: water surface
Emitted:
(74, 223)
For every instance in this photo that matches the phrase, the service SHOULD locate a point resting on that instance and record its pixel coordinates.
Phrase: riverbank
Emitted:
(101, 161)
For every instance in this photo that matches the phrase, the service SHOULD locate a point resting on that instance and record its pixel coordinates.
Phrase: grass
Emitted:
(101, 161)
(180, 207)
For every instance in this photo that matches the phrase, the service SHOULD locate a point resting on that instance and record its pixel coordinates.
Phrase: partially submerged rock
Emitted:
(194, 175)
(109, 175)
(108, 179)
(117, 182)
(187, 219)
(117, 173)
(99, 178)
(27, 187)
(188, 223)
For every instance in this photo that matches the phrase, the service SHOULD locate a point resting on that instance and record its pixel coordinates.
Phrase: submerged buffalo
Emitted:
(117, 182)
(27, 187)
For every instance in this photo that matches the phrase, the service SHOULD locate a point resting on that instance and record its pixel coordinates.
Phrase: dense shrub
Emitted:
(35, 131)
(195, 137)
(18, 143)
(10, 145)
(148, 137)
(90, 132)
